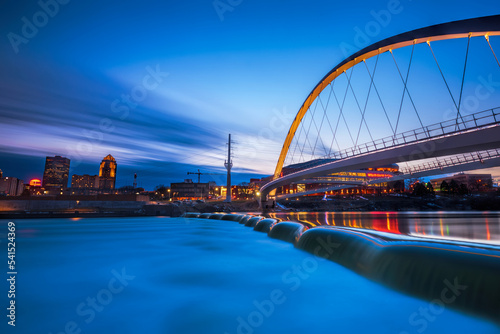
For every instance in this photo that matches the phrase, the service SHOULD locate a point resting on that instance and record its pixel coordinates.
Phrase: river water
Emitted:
(176, 275)
(482, 227)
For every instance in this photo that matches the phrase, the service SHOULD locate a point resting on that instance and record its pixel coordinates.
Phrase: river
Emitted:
(482, 227)
(178, 275)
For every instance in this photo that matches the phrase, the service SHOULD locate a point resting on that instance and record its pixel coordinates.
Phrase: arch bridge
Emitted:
(421, 103)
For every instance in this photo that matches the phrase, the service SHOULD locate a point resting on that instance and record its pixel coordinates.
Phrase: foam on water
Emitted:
(198, 276)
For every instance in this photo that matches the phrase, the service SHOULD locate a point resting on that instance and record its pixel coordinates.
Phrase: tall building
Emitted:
(107, 173)
(55, 175)
(11, 186)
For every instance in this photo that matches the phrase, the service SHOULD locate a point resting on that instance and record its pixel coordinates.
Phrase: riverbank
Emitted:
(103, 209)
(484, 202)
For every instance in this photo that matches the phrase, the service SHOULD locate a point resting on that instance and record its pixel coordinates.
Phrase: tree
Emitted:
(126, 190)
(430, 188)
(411, 183)
(463, 189)
(445, 187)
(419, 189)
(160, 192)
(398, 186)
(454, 187)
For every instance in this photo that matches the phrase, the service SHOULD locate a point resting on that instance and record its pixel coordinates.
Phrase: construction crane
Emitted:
(200, 174)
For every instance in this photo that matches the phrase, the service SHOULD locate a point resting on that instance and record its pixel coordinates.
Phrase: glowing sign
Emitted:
(378, 175)
(35, 183)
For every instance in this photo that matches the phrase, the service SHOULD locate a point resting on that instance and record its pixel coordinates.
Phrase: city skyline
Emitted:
(162, 93)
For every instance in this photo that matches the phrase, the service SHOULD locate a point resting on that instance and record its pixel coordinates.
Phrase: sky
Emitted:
(160, 84)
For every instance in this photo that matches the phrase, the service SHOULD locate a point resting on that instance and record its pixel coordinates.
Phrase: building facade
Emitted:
(11, 186)
(107, 173)
(55, 175)
(189, 190)
(85, 181)
(355, 182)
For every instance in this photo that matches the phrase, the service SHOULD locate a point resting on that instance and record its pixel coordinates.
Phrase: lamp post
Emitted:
(168, 190)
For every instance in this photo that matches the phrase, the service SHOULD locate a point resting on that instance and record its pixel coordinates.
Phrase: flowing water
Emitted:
(482, 227)
(176, 275)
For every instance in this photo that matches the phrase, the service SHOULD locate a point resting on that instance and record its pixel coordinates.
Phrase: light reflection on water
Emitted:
(197, 276)
(483, 227)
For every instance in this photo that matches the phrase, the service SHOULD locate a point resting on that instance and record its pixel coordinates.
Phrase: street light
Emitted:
(168, 190)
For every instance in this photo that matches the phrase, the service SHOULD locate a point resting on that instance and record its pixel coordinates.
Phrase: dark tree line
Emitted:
(423, 189)
(453, 188)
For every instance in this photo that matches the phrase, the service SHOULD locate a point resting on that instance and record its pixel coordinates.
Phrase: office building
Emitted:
(189, 190)
(85, 181)
(107, 173)
(11, 186)
(55, 175)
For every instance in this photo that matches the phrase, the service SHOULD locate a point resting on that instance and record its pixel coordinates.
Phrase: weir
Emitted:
(460, 275)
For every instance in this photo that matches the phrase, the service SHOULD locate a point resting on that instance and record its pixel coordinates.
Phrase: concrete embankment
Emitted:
(82, 206)
(110, 206)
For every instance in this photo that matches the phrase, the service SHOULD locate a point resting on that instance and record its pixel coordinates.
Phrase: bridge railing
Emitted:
(463, 123)
(452, 161)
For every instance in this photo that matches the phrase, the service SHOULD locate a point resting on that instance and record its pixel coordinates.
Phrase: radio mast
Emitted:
(228, 164)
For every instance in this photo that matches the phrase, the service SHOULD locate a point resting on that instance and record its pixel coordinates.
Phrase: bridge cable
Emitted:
(297, 140)
(462, 86)
(442, 75)
(327, 118)
(343, 102)
(322, 121)
(341, 115)
(488, 40)
(301, 157)
(361, 112)
(297, 145)
(405, 89)
(402, 98)
(367, 98)
(320, 127)
(312, 122)
(334, 139)
(308, 130)
(319, 130)
(380, 99)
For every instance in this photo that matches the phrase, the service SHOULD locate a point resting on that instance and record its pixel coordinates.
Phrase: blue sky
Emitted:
(160, 84)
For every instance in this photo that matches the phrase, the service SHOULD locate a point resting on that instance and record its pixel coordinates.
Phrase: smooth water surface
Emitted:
(175, 275)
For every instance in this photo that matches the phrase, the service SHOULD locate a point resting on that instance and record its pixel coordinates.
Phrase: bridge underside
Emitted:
(457, 143)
